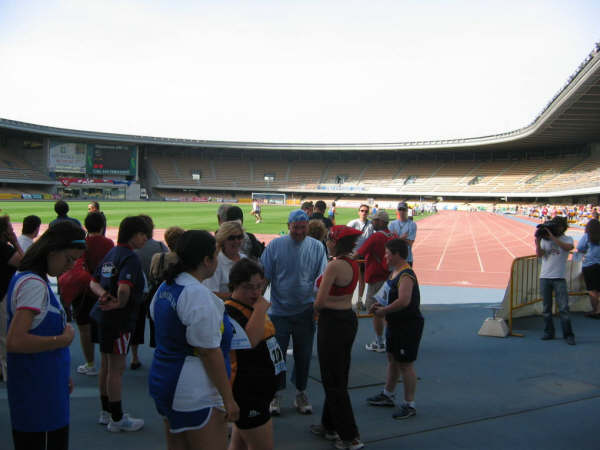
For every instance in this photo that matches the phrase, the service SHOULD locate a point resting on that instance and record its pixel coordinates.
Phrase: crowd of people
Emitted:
(575, 214)
(220, 346)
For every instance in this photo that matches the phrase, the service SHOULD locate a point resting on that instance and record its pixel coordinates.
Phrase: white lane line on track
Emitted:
(475, 245)
(447, 243)
(498, 240)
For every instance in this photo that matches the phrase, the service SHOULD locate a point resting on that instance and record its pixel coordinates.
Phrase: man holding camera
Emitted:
(553, 247)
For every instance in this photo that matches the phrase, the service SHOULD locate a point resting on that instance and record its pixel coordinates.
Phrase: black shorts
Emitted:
(82, 307)
(402, 339)
(591, 275)
(253, 402)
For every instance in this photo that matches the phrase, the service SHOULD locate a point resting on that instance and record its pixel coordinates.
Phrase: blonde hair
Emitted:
(227, 229)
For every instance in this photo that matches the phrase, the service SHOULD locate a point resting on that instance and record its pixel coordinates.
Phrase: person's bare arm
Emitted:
(405, 287)
(20, 340)
(255, 328)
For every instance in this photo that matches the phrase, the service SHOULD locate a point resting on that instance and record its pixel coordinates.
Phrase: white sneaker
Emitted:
(87, 370)
(375, 347)
(104, 418)
(301, 404)
(275, 407)
(125, 424)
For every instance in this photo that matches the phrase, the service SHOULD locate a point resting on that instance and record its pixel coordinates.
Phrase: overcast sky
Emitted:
(290, 71)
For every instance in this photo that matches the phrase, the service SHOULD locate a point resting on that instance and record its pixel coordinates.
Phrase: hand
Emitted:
(71, 385)
(232, 411)
(67, 335)
(377, 310)
(108, 302)
(262, 302)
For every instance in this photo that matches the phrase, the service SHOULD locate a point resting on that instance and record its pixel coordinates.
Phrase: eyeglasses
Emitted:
(252, 287)
(234, 237)
(402, 209)
(363, 210)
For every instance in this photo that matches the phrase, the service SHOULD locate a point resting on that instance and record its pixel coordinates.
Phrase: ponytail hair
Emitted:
(192, 248)
(62, 236)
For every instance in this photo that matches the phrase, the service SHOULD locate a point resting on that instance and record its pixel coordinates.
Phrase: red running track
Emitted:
(458, 248)
(453, 248)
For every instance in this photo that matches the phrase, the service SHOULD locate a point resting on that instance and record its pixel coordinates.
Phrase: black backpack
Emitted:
(257, 248)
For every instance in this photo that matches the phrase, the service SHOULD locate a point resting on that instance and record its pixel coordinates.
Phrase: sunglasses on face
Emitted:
(234, 237)
(364, 210)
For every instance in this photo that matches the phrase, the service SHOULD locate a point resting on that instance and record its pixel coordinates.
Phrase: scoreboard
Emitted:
(106, 159)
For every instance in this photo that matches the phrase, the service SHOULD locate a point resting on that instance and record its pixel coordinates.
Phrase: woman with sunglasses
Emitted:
(257, 362)
(336, 331)
(229, 236)
(38, 338)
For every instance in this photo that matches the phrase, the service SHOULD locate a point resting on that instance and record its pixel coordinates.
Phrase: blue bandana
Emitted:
(297, 216)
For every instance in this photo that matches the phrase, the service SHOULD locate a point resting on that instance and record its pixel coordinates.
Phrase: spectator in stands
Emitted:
(256, 210)
(364, 225)
(308, 208)
(405, 229)
(401, 309)
(119, 284)
(10, 258)
(189, 376)
(62, 208)
(221, 211)
(259, 366)
(292, 298)
(94, 206)
(376, 270)
(251, 246)
(337, 329)
(319, 211)
(229, 241)
(97, 246)
(29, 231)
(38, 342)
(554, 251)
(375, 208)
(160, 264)
(145, 254)
(589, 246)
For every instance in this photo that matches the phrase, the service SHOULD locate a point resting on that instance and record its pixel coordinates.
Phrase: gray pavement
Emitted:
(474, 392)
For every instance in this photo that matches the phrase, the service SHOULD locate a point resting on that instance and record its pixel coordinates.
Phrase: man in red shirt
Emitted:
(376, 270)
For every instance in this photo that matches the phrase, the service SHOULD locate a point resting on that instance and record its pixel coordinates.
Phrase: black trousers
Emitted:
(336, 333)
(48, 440)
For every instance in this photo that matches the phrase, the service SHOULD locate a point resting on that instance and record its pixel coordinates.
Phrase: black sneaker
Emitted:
(404, 412)
(381, 400)
(547, 337)
(570, 340)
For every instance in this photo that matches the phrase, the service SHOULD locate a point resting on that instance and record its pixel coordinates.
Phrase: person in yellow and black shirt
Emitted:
(257, 361)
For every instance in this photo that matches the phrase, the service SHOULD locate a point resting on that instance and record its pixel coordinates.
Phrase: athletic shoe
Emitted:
(375, 347)
(125, 424)
(104, 418)
(320, 430)
(404, 412)
(570, 340)
(354, 444)
(547, 337)
(301, 404)
(87, 370)
(381, 400)
(274, 407)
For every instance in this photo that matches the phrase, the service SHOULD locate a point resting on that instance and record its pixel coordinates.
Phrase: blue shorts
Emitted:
(180, 421)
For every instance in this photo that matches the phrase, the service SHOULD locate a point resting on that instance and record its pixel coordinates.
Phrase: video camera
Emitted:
(555, 226)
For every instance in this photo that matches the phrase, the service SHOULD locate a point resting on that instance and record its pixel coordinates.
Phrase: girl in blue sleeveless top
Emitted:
(189, 376)
(37, 342)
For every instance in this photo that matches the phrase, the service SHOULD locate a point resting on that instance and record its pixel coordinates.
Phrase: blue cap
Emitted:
(297, 216)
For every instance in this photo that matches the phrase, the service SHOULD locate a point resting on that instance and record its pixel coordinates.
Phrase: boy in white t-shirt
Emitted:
(554, 250)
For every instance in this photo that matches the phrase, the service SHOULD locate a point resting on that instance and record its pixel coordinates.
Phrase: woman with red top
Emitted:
(337, 328)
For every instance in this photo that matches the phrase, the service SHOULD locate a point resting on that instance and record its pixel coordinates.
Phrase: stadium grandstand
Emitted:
(556, 158)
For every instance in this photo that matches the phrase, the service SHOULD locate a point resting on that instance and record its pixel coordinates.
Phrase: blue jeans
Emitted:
(302, 329)
(559, 287)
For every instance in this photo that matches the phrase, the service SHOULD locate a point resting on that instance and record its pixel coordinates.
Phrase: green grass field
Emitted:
(165, 214)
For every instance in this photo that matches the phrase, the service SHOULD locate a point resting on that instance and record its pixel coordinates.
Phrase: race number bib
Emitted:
(276, 355)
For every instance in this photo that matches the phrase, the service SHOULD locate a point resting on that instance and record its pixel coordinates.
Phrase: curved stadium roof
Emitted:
(571, 117)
